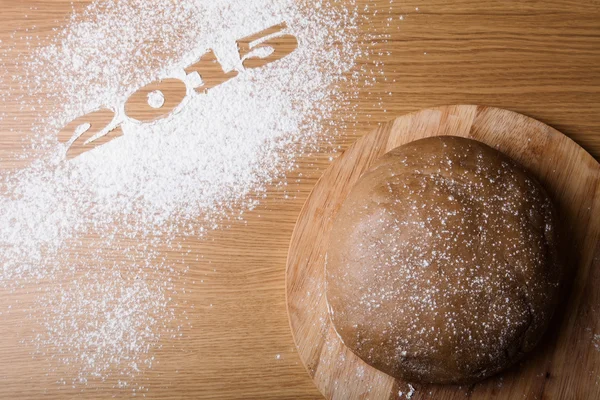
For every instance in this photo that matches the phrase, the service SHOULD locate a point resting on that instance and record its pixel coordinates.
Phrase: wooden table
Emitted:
(539, 58)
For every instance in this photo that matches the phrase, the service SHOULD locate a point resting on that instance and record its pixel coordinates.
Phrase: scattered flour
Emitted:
(409, 394)
(411, 391)
(208, 162)
(156, 99)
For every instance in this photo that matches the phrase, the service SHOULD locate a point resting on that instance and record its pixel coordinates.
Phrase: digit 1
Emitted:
(211, 72)
(282, 45)
(139, 106)
(77, 133)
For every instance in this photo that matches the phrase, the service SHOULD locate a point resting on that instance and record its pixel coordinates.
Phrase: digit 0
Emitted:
(78, 133)
(140, 105)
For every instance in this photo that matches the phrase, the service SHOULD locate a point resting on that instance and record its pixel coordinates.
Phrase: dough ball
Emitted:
(442, 264)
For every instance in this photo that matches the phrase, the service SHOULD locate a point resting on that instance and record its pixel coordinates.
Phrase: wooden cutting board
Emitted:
(567, 363)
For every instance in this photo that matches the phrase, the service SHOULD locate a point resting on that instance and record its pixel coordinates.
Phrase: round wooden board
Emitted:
(567, 362)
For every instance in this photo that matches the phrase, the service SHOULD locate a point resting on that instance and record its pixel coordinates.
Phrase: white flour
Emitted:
(156, 99)
(182, 175)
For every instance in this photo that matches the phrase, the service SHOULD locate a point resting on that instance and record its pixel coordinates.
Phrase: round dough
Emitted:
(442, 264)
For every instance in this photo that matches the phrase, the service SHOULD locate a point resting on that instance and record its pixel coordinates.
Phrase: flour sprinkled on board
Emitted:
(204, 164)
(409, 394)
(156, 99)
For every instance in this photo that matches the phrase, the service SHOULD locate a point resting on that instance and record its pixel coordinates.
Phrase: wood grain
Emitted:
(537, 57)
(567, 362)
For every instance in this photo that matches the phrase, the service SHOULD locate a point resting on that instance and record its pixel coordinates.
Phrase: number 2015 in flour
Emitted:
(150, 103)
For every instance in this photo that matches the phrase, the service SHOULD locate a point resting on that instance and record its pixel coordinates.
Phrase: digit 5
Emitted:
(281, 44)
(76, 134)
